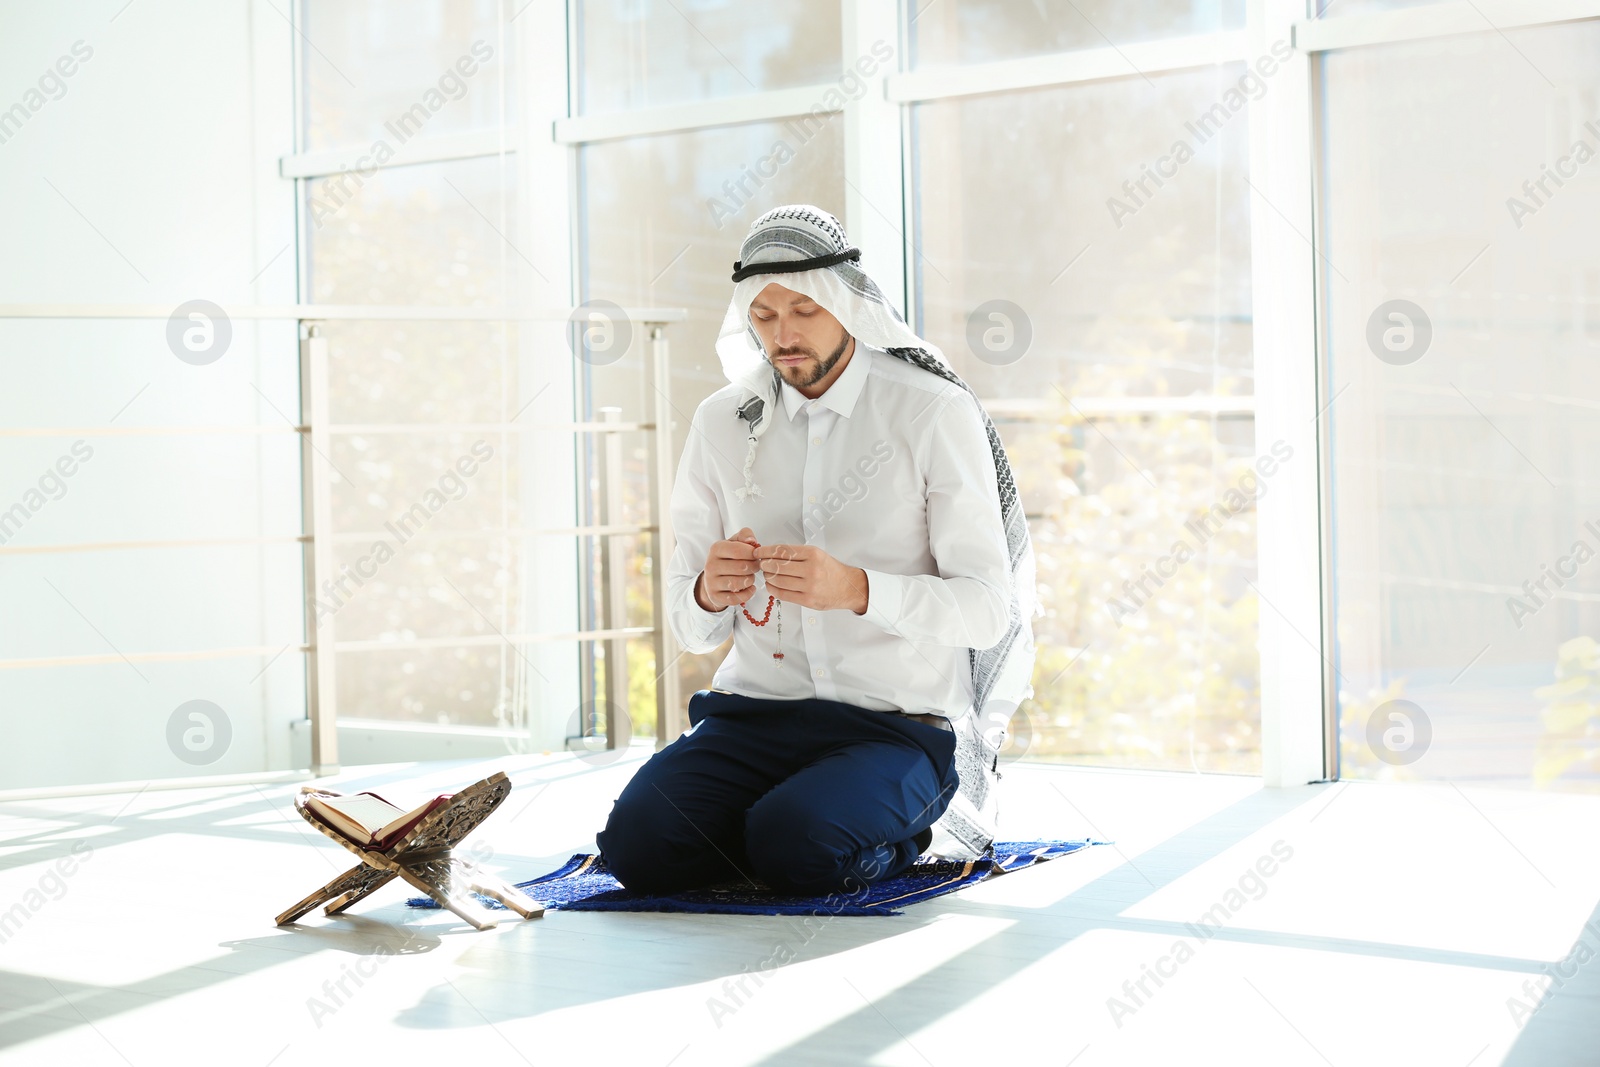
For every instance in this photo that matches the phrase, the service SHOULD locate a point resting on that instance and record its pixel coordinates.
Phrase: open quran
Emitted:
(413, 844)
(368, 819)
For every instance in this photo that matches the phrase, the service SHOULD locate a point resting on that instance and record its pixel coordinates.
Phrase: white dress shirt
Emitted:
(888, 470)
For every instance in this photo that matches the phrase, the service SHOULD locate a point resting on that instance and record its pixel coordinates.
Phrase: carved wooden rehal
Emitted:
(423, 859)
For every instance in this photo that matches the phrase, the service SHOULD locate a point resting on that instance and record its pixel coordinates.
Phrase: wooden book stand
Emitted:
(422, 857)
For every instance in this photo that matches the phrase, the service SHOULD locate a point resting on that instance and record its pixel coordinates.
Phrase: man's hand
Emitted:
(729, 577)
(808, 576)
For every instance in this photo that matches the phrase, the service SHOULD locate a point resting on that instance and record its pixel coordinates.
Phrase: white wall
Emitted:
(152, 179)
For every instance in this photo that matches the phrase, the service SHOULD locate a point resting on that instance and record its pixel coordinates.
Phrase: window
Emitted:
(368, 66)
(636, 53)
(432, 498)
(661, 230)
(1462, 298)
(1123, 393)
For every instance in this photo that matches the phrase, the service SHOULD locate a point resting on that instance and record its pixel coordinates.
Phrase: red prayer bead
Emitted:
(764, 618)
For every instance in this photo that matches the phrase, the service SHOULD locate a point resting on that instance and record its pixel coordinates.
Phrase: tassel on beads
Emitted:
(750, 488)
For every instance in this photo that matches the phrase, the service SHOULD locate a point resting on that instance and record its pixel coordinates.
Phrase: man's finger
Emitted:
(734, 550)
(786, 582)
(796, 597)
(783, 552)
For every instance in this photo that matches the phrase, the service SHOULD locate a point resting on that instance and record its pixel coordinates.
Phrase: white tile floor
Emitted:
(1398, 925)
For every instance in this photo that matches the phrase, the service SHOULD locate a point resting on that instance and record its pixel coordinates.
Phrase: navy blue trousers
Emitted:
(808, 796)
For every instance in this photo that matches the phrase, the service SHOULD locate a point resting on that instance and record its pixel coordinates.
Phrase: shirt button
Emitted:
(816, 440)
(819, 672)
(811, 621)
(811, 500)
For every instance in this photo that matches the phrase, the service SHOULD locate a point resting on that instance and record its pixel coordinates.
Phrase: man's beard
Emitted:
(819, 372)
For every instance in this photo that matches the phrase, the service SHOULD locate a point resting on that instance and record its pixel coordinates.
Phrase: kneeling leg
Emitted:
(679, 822)
(847, 819)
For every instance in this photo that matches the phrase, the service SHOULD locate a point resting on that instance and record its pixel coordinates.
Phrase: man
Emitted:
(873, 566)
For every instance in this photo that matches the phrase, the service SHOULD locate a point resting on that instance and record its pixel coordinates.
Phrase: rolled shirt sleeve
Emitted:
(966, 604)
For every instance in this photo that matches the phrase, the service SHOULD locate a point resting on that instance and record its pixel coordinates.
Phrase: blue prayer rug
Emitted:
(584, 883)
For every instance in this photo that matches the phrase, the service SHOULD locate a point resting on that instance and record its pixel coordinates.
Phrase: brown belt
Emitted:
(936, 721)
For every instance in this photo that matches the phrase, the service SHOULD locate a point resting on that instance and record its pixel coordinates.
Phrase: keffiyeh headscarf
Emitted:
(804, 248)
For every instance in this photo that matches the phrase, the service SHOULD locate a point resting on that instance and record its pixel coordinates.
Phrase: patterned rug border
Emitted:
(911, 887)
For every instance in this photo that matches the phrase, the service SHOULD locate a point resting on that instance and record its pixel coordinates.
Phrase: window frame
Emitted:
(1299, 715)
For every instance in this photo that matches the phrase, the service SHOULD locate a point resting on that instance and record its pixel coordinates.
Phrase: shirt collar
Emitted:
(841, 396)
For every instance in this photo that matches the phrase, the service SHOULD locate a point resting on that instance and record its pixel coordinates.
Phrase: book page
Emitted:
(368, 812)
(410, 818)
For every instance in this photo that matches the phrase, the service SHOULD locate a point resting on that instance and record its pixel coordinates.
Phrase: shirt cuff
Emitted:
(885, 595)
(705, 622)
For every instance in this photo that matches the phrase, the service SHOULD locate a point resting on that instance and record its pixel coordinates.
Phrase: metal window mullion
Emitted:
(544, 169)
(763, 106)
(671, 716)
(426, 148)
(428, 533)
(375, 428)
(587, 637)
(614, 581)
(1131, 60)
(317, 517)
(1434, 21)
(874, 194)
(1089, 64)
(1293, 644)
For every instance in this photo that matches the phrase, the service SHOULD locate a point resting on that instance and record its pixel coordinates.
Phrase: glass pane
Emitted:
(637, 53)
(432, 500)
(660, 229)
(459, 685)
(1461, 216)
(1123, 392)
(409, 372)
(977, 31)
(389, 70)
(433, 524)
(436, 234)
